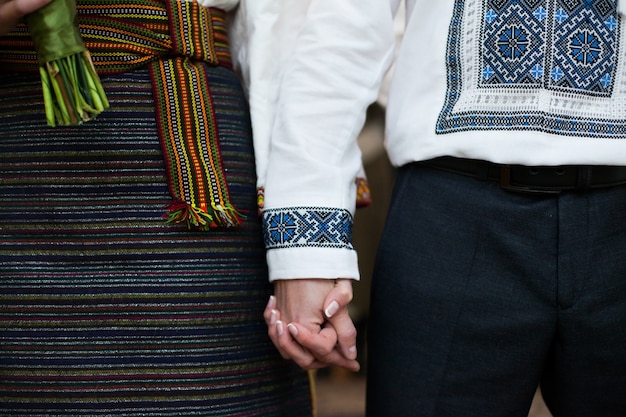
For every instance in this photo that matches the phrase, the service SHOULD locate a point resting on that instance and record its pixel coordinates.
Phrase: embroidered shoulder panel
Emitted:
(307, 227)
(548, 65)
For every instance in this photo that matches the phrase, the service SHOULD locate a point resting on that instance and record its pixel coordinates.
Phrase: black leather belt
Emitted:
(534, 179)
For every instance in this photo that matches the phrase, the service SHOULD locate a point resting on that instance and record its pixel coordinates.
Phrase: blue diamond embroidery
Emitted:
(540, 13)
(560, 16)
(537, 71)
(488, 72)
(611, 23)
(585, 48)
(282, 227)
(556, 74)
(513, 42)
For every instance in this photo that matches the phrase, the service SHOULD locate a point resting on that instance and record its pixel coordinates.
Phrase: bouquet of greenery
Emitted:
(71, 87)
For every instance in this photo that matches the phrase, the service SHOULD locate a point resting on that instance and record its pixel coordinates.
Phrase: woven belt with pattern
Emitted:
(176, 41)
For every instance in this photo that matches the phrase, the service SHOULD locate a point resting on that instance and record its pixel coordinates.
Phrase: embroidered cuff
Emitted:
(317, 227)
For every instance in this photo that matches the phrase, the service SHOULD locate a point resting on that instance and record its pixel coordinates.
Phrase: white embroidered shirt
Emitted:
(535, 82)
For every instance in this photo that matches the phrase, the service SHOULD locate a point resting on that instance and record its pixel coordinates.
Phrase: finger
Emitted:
(285, 345)
(336, 312)
(346, 333)
(271, 305)
(272, 331)
(338, 298)
(294, 351)
(23, 7)
(319, 343)
(272, 316)
(13, 10)
(323, 346)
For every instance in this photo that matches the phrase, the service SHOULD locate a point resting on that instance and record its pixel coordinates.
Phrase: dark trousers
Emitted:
(480, 295)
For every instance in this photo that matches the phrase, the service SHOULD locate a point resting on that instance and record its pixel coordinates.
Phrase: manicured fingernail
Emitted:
(331, 309)
(270, 302)
(292, 329)
(273, 317)
(279, 328)
(352, 351)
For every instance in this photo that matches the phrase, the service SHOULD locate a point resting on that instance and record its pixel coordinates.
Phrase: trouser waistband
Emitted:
(534, 179)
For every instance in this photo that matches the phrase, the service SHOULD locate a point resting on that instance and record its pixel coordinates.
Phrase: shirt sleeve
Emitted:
(225, 5)
(331, 64)
(341, 54)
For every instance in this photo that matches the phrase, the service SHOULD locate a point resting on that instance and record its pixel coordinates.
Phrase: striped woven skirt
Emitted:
(107, 310)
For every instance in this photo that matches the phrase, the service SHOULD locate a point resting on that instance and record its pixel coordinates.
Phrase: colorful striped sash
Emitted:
(175, 40)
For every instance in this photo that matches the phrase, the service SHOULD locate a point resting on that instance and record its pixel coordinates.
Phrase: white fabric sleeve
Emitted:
(226, 5)
(338, 56)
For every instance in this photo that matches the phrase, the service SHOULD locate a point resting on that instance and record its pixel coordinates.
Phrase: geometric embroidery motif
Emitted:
(516, 51)
(513, 47)
(307, 227)
(584, 51)
(572, 50)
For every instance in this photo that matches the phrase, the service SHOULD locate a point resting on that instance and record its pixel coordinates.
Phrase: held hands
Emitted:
(11, 11)
(308, 322)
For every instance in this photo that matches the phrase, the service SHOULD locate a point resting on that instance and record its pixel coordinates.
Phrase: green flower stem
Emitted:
(59, 102)
(47, 96)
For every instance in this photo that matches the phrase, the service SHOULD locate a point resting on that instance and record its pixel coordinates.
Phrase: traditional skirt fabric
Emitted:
(107, 310)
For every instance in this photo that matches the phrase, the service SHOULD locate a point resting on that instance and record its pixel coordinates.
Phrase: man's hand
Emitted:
(308, 322)
(11, 11)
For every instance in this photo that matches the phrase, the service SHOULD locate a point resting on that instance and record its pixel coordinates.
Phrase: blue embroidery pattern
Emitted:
(584, 51)
(307, 227)
(567, 48)
(512, 46)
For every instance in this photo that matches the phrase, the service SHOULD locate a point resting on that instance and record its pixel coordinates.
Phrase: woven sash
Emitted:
(176, 40)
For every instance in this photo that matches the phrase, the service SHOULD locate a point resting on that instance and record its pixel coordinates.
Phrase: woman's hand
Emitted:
(308, 322)
(11, 11)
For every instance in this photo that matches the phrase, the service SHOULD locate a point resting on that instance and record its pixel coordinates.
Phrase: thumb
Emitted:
(338, 298)
(336, 312)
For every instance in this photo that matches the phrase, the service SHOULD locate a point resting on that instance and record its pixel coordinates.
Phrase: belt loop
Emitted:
(505, 176)
(584, 178)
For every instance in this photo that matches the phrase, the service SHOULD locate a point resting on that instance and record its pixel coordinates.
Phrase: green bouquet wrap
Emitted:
(71, 87)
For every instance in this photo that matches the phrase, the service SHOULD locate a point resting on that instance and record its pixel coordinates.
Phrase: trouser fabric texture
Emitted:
(481, 295)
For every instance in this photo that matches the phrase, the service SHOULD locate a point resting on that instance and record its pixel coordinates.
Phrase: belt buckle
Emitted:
(505, 184)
